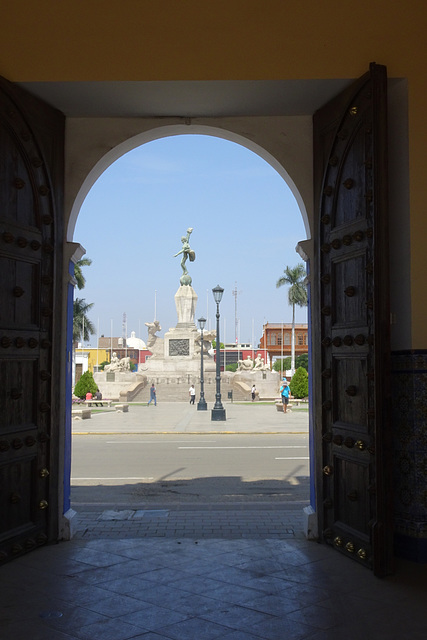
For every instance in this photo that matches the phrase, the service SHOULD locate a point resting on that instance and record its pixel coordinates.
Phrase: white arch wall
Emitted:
(92, 145)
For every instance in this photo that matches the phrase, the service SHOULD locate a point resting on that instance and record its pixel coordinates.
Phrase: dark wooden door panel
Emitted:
(351, 339)
(18, 394)
(30, 237)
(351, 392)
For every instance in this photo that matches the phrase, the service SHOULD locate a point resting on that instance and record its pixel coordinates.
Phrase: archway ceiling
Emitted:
(187, 99)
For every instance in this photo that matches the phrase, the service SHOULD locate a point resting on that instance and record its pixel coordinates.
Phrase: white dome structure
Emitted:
(135, 343)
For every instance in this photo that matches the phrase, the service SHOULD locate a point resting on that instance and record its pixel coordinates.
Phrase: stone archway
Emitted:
(92, 148)
(299, 174)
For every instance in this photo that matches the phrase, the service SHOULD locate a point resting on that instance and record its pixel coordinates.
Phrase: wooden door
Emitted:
(31, 169)
(351, 337)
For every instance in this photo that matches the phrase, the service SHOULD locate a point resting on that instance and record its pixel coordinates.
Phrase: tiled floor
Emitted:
(201, 588)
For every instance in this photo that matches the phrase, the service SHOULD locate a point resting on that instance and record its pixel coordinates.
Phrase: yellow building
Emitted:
(87, 358)
(117, 75)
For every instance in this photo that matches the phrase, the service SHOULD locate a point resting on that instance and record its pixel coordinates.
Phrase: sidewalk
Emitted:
(181, 417)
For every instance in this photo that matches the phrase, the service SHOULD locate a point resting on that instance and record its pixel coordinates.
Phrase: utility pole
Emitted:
(124, 333)
(236, 320)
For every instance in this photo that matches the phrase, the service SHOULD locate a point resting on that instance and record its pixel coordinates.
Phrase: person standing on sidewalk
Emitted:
(152, 395)
(253, 392)
(192, 393)
(284, 392)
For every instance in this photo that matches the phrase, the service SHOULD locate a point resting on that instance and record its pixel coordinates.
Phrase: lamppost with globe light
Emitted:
(201, 405)
(218, 411)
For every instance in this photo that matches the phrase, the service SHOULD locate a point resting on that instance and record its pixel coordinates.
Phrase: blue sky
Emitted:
(246, 225)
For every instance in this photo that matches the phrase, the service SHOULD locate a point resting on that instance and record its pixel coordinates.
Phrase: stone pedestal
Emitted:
(179, 345)
(185, 302)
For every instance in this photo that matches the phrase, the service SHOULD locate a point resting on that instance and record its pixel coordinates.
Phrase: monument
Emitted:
(179, 350)
(175, 360)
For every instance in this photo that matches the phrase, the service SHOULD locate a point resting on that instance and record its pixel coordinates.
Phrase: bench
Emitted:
(102, 403)
(122, 408)
(81, 414)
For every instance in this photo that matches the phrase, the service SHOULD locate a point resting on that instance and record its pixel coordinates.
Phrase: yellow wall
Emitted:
(206, 40)
(97, 355)
(93, 40)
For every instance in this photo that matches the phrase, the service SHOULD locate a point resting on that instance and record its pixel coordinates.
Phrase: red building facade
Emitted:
(277, 339)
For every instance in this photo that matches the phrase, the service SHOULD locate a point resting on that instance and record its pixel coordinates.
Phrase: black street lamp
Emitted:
(218, 412)
(201, 405)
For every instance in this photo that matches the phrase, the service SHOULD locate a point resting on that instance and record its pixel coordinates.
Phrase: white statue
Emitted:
(153, 328)
(208, 336)
(259, 364)
(117, 364)
(245, 365)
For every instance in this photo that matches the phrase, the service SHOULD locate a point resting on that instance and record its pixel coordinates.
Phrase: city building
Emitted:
(88, 359)
(276, 340)
(232, 353)
(135, 348)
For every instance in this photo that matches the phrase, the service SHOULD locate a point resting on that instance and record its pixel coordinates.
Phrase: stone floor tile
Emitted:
(231, 593)
(194, 629)
(315, 616)
(134, 586)
(94, 557)
(277, 605)
(98, 575)
(73, 617)
(197, 584)
(111, 629)
(195, 605)
(236, 617)
(240, 635)
(34, 630)
(281, 628)
(153, 617)
(115, 605)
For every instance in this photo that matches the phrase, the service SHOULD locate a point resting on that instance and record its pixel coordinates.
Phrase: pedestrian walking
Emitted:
(253, 392)
(153, 395)
(192, 394)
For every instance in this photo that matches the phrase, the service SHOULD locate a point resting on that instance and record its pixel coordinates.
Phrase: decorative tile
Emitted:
(409, 424)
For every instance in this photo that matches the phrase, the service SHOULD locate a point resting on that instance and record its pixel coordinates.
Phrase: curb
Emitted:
(186, 433)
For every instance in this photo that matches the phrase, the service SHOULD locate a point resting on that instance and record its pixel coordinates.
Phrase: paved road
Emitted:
(140, 456)
(189, 468)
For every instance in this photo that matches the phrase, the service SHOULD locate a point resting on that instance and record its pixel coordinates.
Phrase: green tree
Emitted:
(302, 361)
(232, 367)
(299, 383)
(84, 385)
(297, 295)
(78, 274)
(221, 345)
(83, 328)
(282, 365)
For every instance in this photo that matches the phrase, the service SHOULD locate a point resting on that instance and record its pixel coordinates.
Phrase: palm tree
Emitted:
(297, 294)
(83, 328)
(78, 274)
